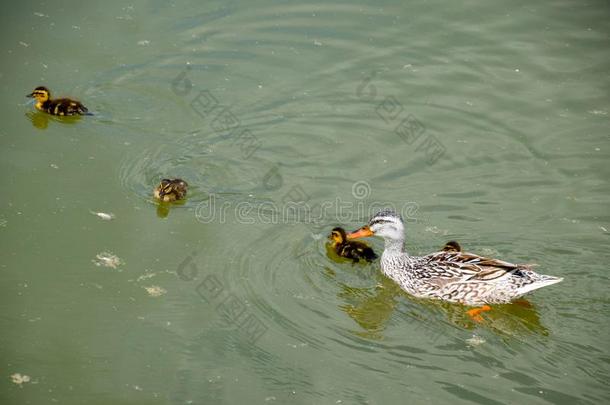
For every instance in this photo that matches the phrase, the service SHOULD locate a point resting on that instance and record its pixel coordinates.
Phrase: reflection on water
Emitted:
(41, 120)
(163, 208)
(370, 311)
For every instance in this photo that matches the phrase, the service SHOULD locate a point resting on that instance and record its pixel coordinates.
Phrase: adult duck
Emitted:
(450, 275)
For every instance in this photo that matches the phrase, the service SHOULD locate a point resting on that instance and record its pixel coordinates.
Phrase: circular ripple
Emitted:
(290, 280)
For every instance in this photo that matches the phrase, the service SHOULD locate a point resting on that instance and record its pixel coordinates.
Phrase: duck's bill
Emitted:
(360, 233)
(30, 95)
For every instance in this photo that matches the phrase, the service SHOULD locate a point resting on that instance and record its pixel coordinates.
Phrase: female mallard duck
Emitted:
(170, 190)
(350, 249)
(452, 276)
(58, 106)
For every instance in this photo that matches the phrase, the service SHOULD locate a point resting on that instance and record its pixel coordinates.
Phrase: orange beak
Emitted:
(361, 233)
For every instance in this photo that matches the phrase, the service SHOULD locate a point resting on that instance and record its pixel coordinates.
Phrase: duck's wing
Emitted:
(65, 106)
(365, 249)
(367, 253)
(357, 251)
(467, 267)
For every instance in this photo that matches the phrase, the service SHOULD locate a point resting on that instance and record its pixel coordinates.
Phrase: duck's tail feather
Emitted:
(542, 282)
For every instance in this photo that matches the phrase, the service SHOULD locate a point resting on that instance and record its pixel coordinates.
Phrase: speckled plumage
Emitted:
(170, 190)
(452, 276)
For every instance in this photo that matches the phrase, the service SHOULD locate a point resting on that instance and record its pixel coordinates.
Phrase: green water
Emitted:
(502, 110)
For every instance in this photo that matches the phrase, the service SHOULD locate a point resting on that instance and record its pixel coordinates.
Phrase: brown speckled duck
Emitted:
(171, 190)
(58, 106)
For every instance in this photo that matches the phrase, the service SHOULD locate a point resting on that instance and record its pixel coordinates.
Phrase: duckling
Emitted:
(170, 190)
(350, 249)
(58, 106)
(452, 246)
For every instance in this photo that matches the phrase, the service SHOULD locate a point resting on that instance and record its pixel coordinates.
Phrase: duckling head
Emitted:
(452, 246)
(337, 236)
(41, 94)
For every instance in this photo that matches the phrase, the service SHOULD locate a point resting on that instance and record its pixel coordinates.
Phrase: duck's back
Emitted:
(64, 106)
(463, 277)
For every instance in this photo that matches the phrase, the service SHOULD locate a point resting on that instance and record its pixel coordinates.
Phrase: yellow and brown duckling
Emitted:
(452, 246)
(170, 190)
(353, 250)
(58, 106)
